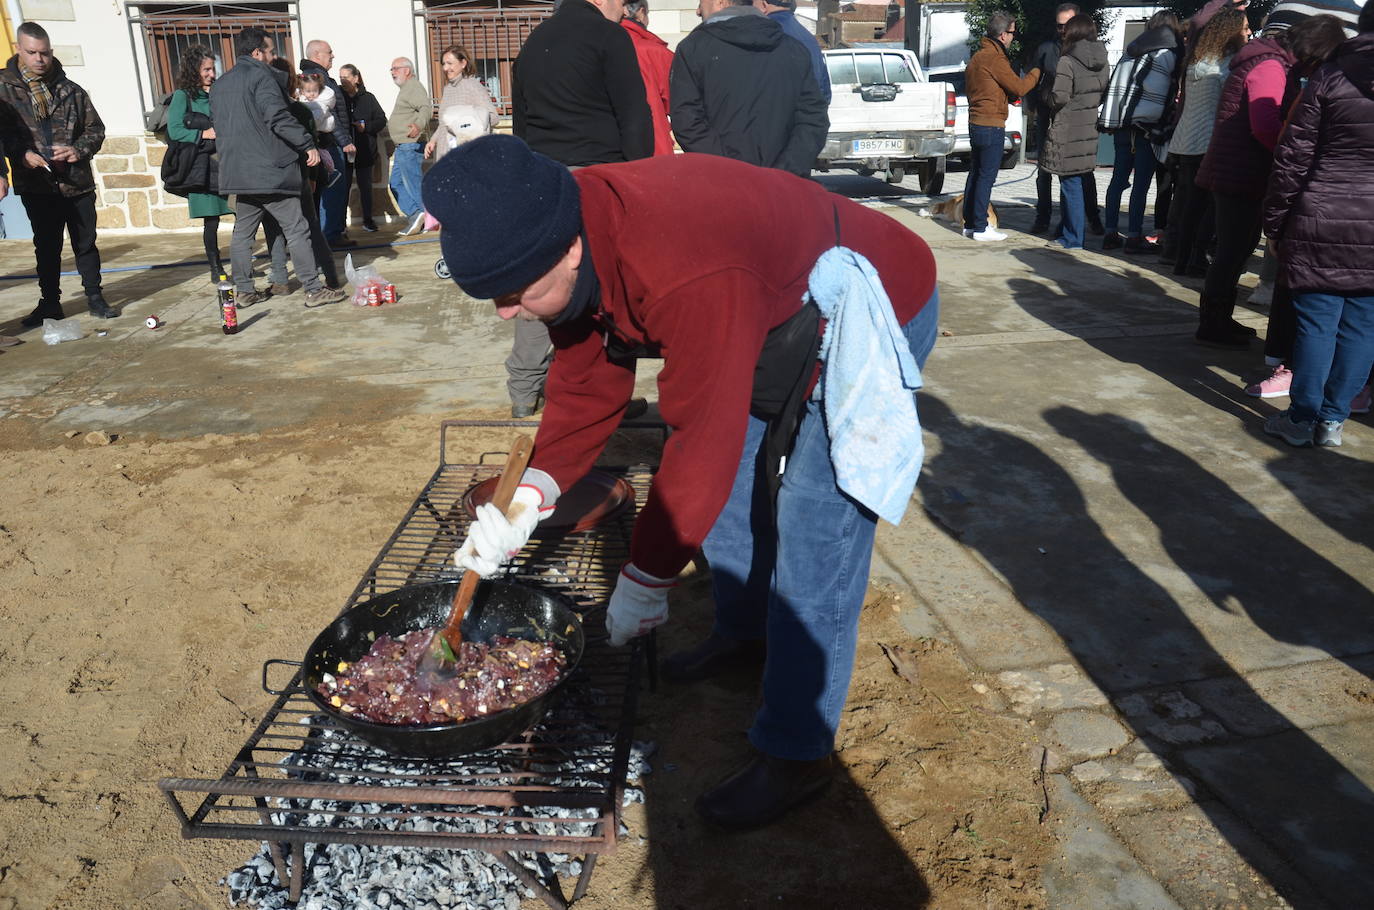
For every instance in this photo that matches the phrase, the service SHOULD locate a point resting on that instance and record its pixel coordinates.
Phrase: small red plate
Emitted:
(593, 500)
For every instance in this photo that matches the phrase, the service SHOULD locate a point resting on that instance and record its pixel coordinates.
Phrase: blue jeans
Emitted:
(334, 199)
(798, 581)
(405, 177)
(984, 161)
(1134, 167)
(1332, 355)
(1071, 207)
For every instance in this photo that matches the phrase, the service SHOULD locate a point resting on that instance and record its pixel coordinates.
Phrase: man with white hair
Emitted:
(337, 144)
(408, 123)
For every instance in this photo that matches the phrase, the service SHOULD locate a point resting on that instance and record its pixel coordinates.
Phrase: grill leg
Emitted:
(585, 879)
(278, 861)
(549, 892)
(297, 870)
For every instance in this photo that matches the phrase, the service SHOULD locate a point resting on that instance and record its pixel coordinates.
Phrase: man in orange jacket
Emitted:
(990, 83)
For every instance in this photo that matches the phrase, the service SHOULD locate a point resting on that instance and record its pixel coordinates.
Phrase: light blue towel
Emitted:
(867, 383)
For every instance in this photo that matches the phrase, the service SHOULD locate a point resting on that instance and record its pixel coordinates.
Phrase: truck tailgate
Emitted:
(918, 106)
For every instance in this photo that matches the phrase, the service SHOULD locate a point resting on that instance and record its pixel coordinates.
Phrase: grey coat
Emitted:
(1079, 83)
(259, 142)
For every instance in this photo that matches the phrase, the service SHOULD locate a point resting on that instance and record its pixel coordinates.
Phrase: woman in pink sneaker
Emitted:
(1320, 211)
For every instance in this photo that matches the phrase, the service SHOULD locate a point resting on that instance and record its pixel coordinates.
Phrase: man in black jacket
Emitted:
(1047, 61)
(742, 88)
(577, 96)
(260, 144)
(338, 145)
(51, 132)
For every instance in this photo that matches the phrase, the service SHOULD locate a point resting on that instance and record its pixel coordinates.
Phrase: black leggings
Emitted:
(210, 235)
(1239, 222)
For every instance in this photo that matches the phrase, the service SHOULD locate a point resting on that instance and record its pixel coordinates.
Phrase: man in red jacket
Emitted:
(655, 61)
(706, 261)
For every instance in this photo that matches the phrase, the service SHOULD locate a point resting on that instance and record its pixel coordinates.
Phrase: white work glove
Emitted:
(494, 538)
(638, 604)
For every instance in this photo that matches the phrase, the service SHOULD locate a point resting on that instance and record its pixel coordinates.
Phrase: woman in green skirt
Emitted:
(194, 77)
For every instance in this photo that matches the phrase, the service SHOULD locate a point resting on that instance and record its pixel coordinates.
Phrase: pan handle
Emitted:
(289, 690)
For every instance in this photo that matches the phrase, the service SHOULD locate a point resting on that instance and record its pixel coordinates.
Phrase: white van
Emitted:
(885, 116)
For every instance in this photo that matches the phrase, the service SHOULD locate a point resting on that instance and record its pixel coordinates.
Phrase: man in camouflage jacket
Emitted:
(51, 131)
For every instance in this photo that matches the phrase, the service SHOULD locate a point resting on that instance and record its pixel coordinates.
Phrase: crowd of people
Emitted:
(1243, 137)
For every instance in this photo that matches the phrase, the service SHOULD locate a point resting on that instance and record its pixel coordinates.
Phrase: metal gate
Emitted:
(492, 31)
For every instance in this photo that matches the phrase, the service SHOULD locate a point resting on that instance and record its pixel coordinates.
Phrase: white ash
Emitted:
(361, 877)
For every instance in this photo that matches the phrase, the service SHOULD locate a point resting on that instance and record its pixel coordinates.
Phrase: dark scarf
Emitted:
(586, 292)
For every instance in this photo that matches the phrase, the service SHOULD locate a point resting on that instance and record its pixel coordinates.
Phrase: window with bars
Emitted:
(169, 28)
(493, 31)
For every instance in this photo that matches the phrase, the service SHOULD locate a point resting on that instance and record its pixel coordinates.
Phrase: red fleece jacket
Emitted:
(701, 255)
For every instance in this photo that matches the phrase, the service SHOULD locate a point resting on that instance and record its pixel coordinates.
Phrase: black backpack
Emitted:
(156, 119)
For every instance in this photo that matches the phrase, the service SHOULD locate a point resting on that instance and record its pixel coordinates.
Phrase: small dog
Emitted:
(952, 210)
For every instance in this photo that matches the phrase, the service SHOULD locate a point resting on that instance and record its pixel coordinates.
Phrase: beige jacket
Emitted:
(412, 106)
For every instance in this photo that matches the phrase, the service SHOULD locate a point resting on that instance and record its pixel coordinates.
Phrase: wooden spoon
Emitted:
(511, 474)
(438, 663)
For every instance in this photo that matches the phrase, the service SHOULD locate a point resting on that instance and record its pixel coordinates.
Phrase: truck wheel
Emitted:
(931, 173)
(895, 173)
(441, 270)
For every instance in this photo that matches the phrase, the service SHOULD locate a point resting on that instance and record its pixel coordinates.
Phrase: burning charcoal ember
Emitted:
(357, 876)
(382, 685)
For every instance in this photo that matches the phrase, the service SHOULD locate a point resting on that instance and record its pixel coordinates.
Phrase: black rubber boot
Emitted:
(46, 309)
(99, 308)
(764, 790)
(1215, 325)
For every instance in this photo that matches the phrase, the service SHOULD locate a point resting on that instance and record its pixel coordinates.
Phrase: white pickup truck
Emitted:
(885, 116)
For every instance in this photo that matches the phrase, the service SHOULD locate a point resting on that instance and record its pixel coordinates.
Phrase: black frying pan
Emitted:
(499, 608)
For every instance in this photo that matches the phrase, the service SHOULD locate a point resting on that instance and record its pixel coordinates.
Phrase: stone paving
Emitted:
(1178, 607)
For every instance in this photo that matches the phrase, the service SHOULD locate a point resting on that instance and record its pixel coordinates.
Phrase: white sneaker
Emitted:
(986, 235)
(968, 233)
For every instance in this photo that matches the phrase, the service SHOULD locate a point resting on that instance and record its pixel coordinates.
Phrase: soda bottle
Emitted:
(229, 316)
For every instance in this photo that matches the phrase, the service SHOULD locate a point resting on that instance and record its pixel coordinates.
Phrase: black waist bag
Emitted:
(781, 377)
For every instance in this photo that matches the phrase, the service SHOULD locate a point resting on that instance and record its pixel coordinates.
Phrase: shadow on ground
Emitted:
(1132, 636)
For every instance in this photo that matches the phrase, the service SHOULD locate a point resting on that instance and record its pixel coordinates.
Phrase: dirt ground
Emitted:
(146, 581)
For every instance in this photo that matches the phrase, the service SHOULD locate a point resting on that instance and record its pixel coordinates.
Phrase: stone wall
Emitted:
(131, 201)
(130, 197)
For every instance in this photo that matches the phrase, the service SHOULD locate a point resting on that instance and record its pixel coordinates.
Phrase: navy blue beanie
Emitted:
(508, 214)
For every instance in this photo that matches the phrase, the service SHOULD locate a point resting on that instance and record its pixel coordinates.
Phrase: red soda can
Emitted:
(388, 293)
(374, 295)
(230, 317)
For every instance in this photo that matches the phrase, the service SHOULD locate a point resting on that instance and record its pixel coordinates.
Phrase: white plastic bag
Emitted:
(363, 279)
(56, 332)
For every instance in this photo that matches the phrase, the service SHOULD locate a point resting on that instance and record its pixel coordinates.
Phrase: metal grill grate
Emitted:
(299, 779)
